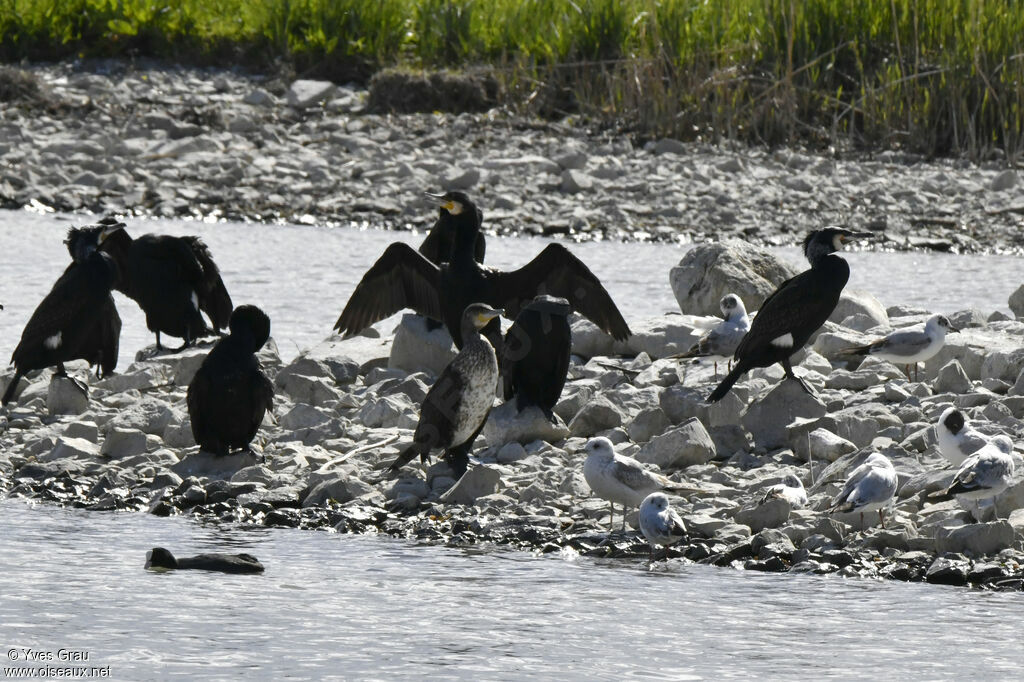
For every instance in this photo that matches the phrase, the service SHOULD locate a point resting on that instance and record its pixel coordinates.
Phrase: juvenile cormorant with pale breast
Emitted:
(456, 406)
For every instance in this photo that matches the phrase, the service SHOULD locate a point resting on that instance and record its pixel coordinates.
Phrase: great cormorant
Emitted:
(403, 278)
(100, 344)
(229, 394)
(909, 346)
(64, 326)
(535, 359)
(456, 406)
(173, 279)
(795, 310)
(158, 557)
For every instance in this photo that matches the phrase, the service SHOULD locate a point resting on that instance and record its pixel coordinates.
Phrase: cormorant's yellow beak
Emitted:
(486, 316)
(106, 232)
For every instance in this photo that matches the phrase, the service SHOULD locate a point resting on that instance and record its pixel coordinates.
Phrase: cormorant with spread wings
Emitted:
(403, 278)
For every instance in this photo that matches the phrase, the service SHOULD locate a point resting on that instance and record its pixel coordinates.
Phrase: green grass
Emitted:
(930, 76)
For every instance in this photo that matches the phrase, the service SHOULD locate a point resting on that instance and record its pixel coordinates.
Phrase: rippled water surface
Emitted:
(366, 606)
(357, 607)
(303, 275)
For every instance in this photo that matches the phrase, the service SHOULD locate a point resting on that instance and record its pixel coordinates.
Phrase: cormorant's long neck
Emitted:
(469, 333)
(466, 230)
(818, 254)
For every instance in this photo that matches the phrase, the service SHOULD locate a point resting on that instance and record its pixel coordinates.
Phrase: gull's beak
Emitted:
(953, 329)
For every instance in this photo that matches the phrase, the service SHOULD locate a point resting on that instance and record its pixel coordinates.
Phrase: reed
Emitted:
(937, 77)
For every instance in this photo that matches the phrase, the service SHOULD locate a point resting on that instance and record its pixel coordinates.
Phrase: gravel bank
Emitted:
(114, 137)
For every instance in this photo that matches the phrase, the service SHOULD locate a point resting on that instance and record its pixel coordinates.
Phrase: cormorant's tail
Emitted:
(731, 378)
(215, 300)
(407, 456)
(11, 387)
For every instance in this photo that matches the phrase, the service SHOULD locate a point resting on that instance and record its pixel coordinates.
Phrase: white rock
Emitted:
(71, 448)
(84, 429)
(682, 446)
(980, 539)
(342, 488)
(505, 424)
(767, 418)
(417, 350)
(478, 481)
(120, 443)
(953, 379)
(855, 303)
(65, 397)
(597, 415)
(308, 93)
(823, 446)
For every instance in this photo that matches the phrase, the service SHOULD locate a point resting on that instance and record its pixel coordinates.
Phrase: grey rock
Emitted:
(477, 482)
(574, 181)
(303, 417)
(682, 446)
(259, 98)
(822, 445)
(669, 146)
(206, 464)
(953, 379)
(460, 179)
(511, 452)
(342, 488)
(65, 397)
(120, 443)
(179, 435)
(71, 449)
(315, 391)
(597, 415)
(853, 302)
(1016, 301)
(771, 514)
(86, 430)
(767, 418)
(647, 424)
(505, 424)
(1004, 181)
(307, 93)
(415, 349)
(710, 271)
(947, 571)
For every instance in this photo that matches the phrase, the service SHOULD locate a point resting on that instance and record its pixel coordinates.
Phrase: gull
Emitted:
(660, 523)
(958, 440)
(982, 476)
(870, 487)
(909, 346)
(791, 490)
(621, 479)
(719, 342)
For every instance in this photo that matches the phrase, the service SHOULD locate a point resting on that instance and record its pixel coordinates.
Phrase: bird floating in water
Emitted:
(229, 394)
(160, 558)
(403, 278)
(909, 346)
(870, 487)
(456, 406)
(795, 310)
(660, 523)
(173, 279)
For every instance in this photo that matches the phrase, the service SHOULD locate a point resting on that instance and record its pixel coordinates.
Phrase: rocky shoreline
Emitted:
(141, 139)
(345, 408)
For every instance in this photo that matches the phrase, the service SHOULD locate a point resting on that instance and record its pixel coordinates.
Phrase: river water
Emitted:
(359, 607)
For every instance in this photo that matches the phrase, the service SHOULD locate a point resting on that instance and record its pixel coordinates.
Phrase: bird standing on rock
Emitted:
(723, 336)
(456, 406)
(660, 523)
(403, 278)
(76, 320)
(795, 310)
(622, 479)
(982, 476)
(173, 279)
(909, 346)
(229, 393)
(535, 359)
(958, 440)
(870, 487)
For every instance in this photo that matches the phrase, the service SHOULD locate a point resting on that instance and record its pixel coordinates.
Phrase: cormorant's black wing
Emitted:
(436, 425)
(797, 307)
(214, 299)
(401, 278)
(557, 272)
(199, 390)
(263, 399)
(65, 310)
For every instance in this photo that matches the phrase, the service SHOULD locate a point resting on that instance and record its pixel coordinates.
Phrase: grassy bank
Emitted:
(923, 75)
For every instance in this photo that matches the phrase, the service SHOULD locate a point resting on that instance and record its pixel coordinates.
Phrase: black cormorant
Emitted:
(229, 394)
(158, 557)
(535, 358)
(100, 344)
(173, 279)
(795, 310)
(67, 324)
(403, 278)
(456, 406)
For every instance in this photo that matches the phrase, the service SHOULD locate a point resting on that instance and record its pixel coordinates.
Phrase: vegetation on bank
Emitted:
(930, 76)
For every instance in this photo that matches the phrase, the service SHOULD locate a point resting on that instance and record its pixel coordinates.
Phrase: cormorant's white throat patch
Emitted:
(784, 341)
